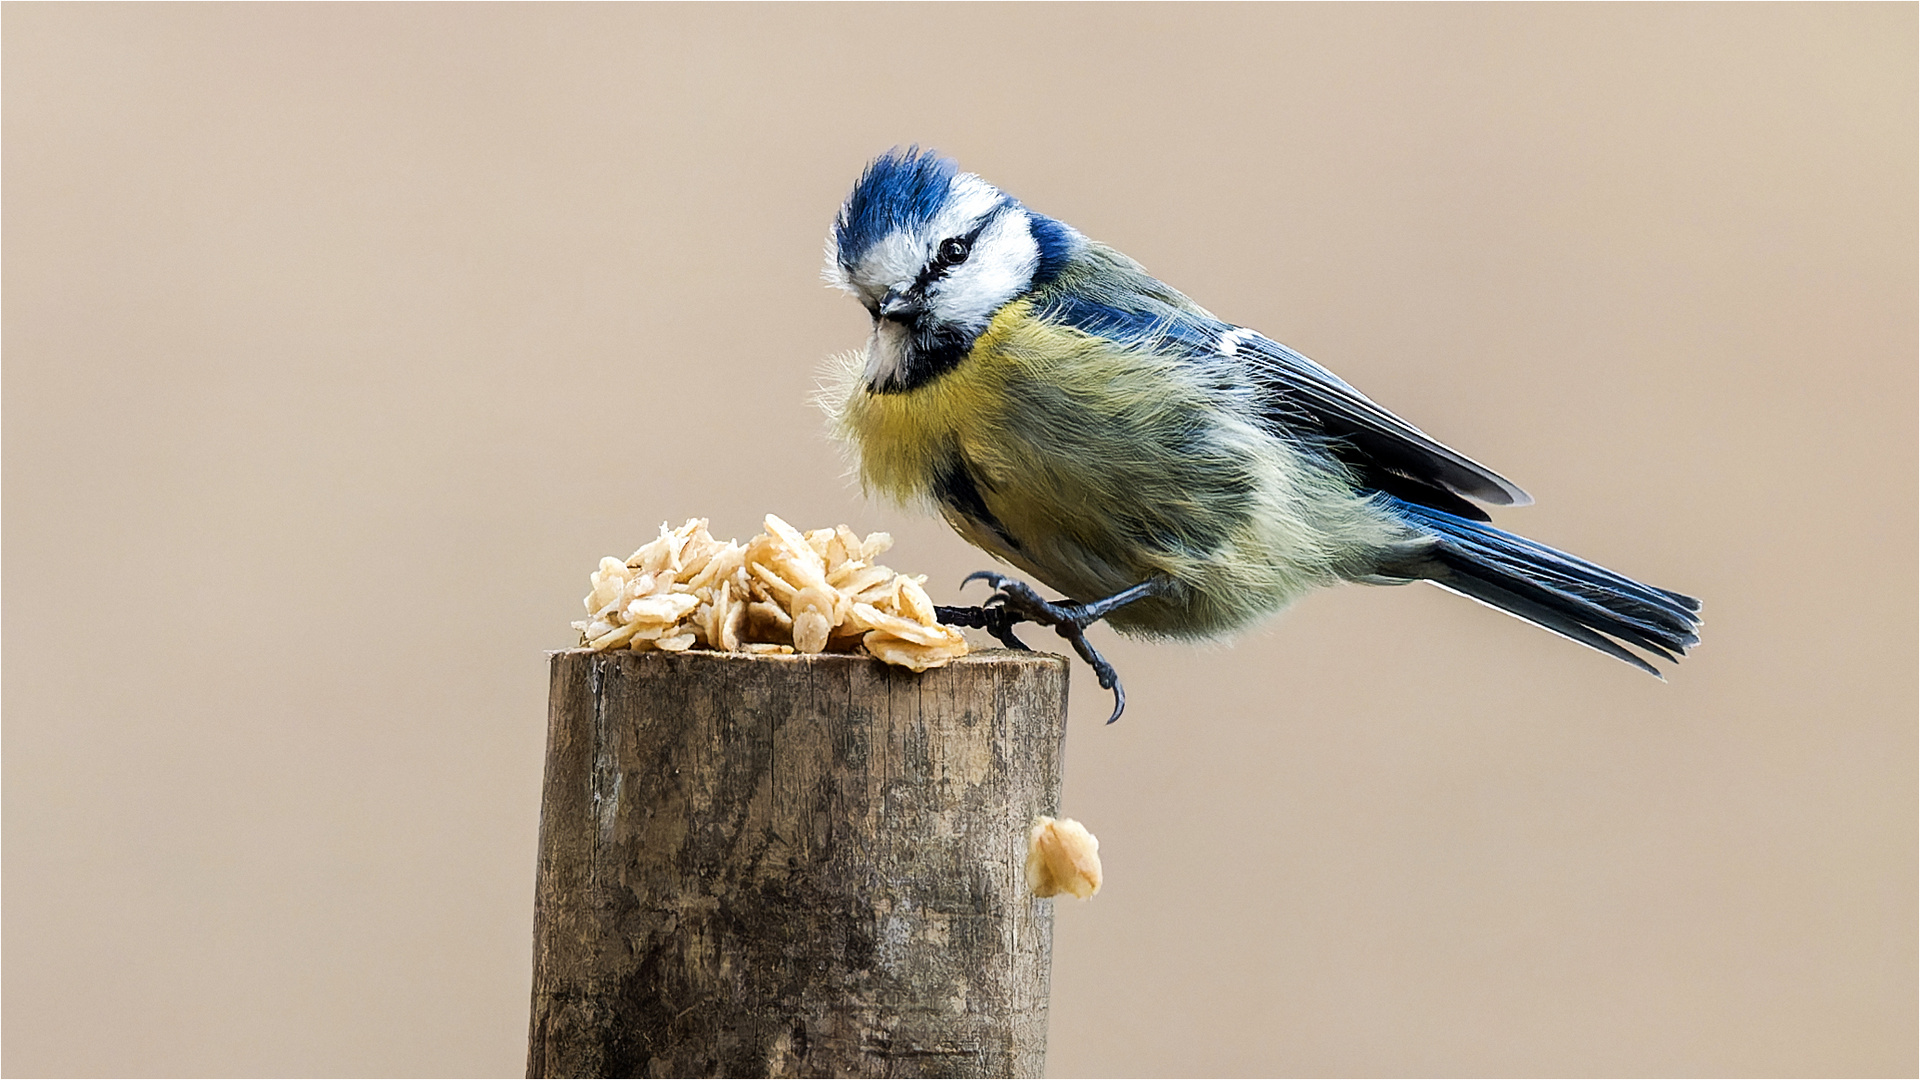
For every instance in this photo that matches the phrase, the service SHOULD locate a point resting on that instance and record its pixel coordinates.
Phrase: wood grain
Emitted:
(790, 866)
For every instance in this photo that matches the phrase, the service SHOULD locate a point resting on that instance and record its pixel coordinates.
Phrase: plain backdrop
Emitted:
(341, 341)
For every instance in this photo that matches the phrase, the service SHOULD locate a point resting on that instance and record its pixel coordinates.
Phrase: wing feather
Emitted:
(1392, 442)
(1110, 295)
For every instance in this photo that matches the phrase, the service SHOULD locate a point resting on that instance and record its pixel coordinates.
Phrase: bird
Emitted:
(1173, 474)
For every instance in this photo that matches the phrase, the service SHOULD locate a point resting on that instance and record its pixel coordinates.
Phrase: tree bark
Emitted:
(793, 865)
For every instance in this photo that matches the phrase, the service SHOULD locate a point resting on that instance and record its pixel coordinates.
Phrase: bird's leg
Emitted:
(1014, 602)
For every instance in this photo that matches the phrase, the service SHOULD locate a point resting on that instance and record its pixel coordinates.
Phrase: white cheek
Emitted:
(1000, 268)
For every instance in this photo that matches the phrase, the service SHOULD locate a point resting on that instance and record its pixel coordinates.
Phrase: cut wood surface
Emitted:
(793, 866)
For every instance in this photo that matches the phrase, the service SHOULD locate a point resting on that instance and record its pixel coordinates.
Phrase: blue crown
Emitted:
(902, 188)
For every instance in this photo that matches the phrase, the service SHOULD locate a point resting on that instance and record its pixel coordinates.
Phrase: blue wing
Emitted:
(1388, 442)
(1387, 453)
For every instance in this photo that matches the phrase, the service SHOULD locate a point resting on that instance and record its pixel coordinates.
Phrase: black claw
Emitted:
(1008, 638)
(987, 576)
(1102, 670)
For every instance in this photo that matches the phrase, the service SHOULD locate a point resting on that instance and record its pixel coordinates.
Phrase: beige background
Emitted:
(341, 341)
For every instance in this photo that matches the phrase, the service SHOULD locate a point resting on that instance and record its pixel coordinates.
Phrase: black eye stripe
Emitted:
(938, 266)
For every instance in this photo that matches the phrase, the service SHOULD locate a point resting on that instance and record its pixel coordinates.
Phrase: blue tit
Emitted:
(1173, 474)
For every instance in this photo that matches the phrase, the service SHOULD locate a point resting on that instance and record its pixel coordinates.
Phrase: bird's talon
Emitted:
(1014, 602)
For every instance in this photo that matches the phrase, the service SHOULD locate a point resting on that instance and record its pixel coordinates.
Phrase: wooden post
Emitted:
(793, 866)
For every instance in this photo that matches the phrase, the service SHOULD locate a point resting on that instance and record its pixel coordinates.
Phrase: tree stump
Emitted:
(793, 866)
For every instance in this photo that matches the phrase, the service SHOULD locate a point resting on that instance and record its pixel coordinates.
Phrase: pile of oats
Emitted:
(784, 592)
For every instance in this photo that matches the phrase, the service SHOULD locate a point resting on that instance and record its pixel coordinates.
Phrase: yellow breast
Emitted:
(904, 439)
(1055, 426)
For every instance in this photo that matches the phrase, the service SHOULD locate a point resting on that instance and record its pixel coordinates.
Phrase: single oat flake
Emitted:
(1062, 857)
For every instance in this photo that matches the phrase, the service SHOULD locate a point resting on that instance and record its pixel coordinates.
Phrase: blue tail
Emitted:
(1551, 589)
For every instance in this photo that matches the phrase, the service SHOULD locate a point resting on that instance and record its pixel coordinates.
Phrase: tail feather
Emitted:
(1545, 617)
(1542, 573)
(1554, 590)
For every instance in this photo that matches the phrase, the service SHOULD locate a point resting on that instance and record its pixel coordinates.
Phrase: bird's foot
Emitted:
(1014, 602)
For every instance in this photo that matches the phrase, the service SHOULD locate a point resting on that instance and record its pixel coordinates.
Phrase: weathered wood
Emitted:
(792, 866)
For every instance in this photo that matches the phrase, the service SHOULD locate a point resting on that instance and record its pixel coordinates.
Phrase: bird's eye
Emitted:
(954, 251)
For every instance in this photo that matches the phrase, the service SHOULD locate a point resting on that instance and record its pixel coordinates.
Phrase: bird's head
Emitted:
(933, 253)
